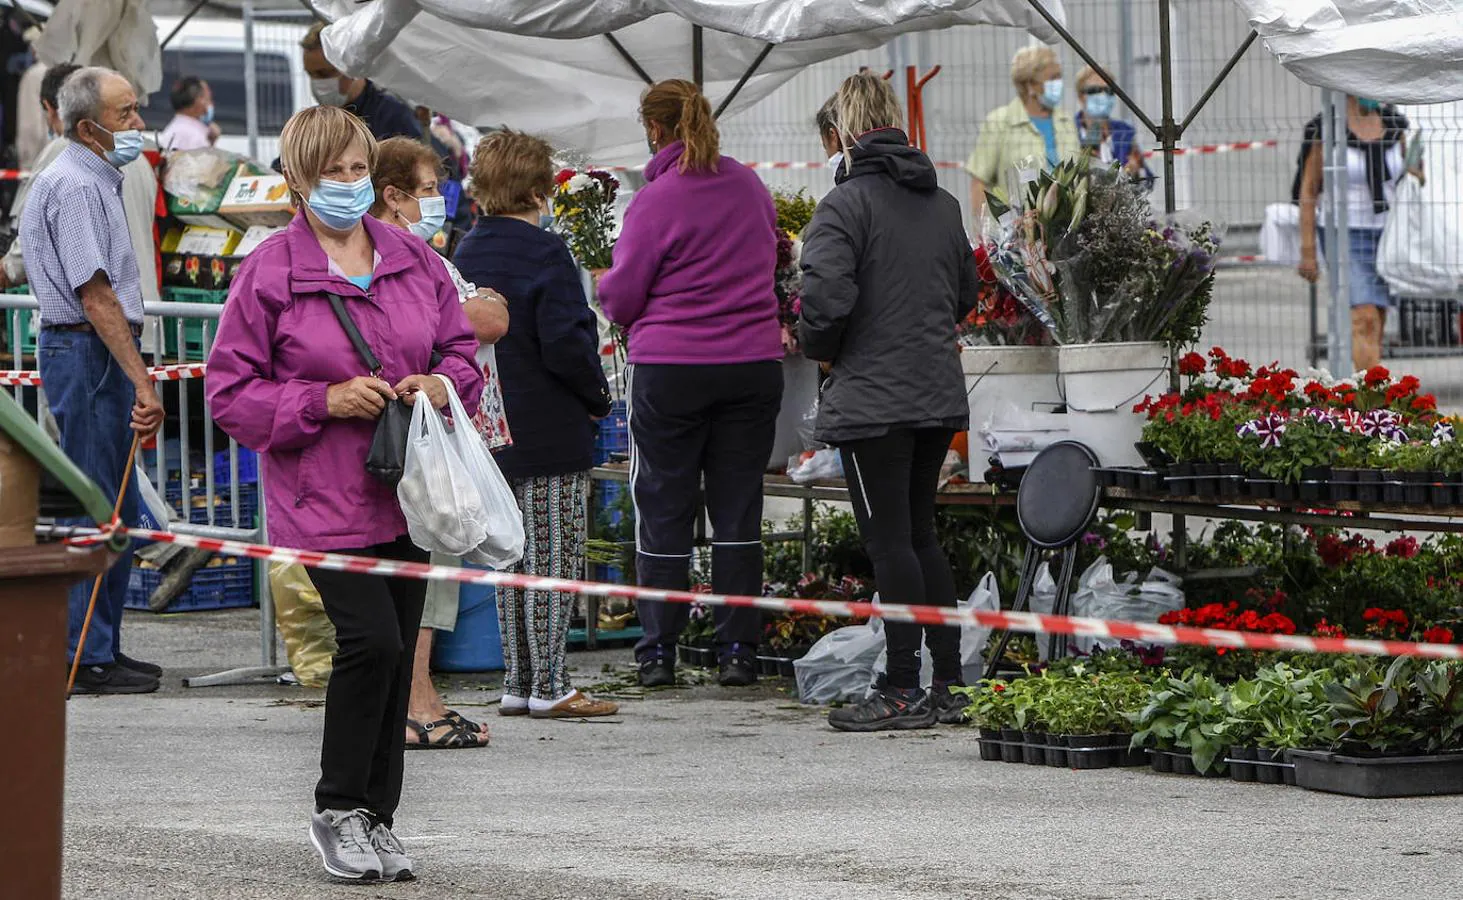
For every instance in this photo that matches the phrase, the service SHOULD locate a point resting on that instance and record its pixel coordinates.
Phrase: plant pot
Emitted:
(1150, 482)
(1183, 763)
(1393, 491)
(1230, 480)
(1160, 760)
(785, 668)
(1343, 484)
(1270, 774)
(1383, 776)
(1259, 486)
(1033, 751)
(1056, 751)
(1023, 376)
(683, 654)
(1155, 456)
(1239, 769)
(1088, 751)
(1284, 492)
(1444, 492)
(1315, 484)
(1417, 487)
(1368, 485)
(1101, 383)
(990, 745)
(1288, 773)
(1127, 479)
(1011, 746)
(767, 665)
(1205, 484)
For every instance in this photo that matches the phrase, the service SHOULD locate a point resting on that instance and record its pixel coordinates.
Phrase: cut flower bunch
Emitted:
(1082, 249)
(584, 214)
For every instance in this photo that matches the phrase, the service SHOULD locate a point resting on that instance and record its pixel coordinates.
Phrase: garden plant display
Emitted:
(1081, 248)
(794, 212)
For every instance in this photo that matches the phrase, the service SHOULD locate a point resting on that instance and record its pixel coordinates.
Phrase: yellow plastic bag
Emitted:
(309, 636)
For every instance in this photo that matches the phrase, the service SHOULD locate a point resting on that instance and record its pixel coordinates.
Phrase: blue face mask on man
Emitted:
(1099, 105)
(126, 146)
(207, 117)
(342, 204)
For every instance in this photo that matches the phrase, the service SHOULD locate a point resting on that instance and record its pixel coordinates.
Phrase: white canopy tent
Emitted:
(573, 70)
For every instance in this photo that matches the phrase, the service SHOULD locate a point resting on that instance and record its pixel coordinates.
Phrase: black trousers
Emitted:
(376, 621)
(892, 482)
(686, 423)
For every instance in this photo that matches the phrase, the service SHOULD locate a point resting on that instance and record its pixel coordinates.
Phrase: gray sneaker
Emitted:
(343, 837)
(395, 864)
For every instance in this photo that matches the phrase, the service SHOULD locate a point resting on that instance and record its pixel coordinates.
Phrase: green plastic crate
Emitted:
(22, 319)
(192, 328)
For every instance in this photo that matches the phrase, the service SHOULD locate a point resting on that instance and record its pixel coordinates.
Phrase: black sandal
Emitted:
(457, 737)
(461, 721)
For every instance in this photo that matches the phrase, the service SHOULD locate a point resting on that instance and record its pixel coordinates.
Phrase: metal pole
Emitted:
(181, 23)
(1334, 185)
(1125, 41)
(1167, 131)
(698, 56)
(251, 82)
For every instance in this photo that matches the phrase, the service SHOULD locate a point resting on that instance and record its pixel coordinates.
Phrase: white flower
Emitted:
(579, 182)
(1209, 380)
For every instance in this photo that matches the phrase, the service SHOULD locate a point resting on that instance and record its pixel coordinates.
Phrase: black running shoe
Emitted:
(885, 710)
(949, 706)
(113, 679)
(657, 671)
(151, 669)
(737, 671)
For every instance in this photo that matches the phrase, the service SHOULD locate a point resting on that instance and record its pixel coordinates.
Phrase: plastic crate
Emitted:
(22, 320)
(248, 467)
(229, 585)
(613, 438)
(608, 495)
(222, 504)
(192, 328)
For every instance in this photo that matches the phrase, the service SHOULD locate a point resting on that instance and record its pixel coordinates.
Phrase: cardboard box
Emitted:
(253, 238)
(196, 181)
(257, 200)
(197, 240)
(192, 270)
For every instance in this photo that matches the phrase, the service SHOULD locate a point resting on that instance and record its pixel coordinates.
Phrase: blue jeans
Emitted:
(92, 401)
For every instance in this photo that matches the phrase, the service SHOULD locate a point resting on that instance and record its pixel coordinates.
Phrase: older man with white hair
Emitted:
(84, 273)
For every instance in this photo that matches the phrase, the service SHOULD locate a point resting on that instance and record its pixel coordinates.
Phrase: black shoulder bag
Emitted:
(387, 458)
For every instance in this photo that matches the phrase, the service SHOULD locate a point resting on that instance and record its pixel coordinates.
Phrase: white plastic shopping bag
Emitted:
(986, 596)
(1100, 595)
(444, 510)
(502, 544)
(840, 666)
(154, 513)
(1418, 254)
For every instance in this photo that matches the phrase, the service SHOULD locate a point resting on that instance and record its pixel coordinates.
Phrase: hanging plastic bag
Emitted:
(816, 465)
(840, 666)
(309, 636)
(1418, 253)
(443, 508)
(1043, 600)
(153, 513)
(809, 425)
(986, 596)
(502, 542)
(1102, 596)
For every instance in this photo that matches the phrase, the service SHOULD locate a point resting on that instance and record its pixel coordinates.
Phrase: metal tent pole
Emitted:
(251, 82)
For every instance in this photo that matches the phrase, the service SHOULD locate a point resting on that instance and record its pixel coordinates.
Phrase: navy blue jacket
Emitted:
(553, 381)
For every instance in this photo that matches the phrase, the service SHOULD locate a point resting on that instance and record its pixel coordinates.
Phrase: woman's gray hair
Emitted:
(827, 117)
(80, 97)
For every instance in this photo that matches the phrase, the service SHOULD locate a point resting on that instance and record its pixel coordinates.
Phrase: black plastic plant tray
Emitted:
(1375, 777)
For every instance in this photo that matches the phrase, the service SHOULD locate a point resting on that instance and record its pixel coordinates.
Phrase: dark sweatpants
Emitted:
(892, 482)
(686, 422)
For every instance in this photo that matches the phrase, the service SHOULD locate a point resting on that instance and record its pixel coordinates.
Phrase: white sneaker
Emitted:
(395, 864)
(344, 839)
(513, 705)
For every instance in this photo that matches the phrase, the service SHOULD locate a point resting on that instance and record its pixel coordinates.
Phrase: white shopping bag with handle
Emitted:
(444, 510)
(502, 544)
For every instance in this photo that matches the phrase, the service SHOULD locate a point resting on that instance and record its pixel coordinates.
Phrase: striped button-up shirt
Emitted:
(74, 227)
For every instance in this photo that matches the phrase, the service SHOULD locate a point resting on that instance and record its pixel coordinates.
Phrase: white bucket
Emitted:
(1102, 383)
(1025, 377)
(799, 390)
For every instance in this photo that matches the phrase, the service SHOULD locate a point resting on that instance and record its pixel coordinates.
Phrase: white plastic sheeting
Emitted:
(548, 68)
(1402, 51)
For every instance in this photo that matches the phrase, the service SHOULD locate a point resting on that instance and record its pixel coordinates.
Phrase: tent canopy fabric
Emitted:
(1402, 51)
(549, 68)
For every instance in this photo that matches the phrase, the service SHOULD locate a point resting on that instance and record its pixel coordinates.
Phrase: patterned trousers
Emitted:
(535, 624)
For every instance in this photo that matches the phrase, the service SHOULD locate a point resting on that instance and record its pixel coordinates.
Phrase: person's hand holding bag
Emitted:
(363, 397)
(435, 387)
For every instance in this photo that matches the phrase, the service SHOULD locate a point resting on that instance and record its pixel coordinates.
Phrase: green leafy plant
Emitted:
(990, 704)
(1185, 713)
(794, 210)
(1412, 706)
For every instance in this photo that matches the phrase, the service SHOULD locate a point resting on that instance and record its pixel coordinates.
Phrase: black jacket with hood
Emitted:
(887, 274)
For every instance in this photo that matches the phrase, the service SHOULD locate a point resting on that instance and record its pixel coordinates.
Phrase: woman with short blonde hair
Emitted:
(554, 388)
(285, 379)
(1029, 131)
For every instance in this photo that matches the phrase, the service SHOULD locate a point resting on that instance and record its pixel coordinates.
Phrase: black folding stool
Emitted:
(1055, 504)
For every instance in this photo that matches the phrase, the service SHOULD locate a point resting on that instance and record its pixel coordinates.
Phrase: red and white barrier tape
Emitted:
(157, 373)
(1143, 632)
(14, 174)
(1200, 149)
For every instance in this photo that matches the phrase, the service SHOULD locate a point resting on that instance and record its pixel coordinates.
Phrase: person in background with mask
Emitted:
(384, 114)
(84, 272)
(285, 380)
(192, 127)
(139, 196)
(692, 280)
(407, 181)
(555, 389)
(1107, 140)
(1376, 156)
(1027, 131)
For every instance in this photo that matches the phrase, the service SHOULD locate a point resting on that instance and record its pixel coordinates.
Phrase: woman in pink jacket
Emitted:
(285, 380)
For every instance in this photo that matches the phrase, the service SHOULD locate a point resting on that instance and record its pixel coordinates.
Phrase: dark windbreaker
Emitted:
(887, 274)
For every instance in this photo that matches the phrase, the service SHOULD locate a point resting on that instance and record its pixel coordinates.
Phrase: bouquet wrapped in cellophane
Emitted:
(1080, 247)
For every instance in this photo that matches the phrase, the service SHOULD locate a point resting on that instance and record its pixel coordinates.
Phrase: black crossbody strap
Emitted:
(351, 331)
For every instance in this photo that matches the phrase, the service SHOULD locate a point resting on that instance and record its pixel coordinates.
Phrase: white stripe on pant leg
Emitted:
(736, 543)
(858, 473)
(634, 452)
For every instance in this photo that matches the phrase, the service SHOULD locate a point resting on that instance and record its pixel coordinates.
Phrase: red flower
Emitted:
(1326, 629)
(1318, 393)
(1191, 364)
(1376, 376)
(998, 688)
(1438, 635)
(563, 176)
(1425, 404)
(983, 264)
(1232, 368)
(1405, 547)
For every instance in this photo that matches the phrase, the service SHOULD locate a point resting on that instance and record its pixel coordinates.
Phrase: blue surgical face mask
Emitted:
(207, 117)
(1051, 93)
(126, 146)
(434, 216)
(1099, 106)
(341, 204)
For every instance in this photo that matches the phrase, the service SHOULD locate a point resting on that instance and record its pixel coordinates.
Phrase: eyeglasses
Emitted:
(1096, 89)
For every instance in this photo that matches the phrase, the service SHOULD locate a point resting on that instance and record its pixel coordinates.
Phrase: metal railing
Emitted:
(177, 333)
